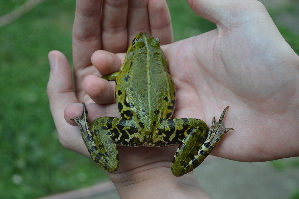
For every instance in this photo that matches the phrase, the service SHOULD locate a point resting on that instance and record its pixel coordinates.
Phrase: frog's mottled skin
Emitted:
(145, 94)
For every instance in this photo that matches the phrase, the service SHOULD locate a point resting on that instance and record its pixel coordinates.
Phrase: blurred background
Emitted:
(32, 162)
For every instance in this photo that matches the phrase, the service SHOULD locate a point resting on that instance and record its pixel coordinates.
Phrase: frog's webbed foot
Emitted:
(81, 120)
(192, 153)
(98, 141)
(216, 131)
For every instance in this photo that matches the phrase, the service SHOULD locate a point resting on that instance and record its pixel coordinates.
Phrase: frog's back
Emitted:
(146, 91)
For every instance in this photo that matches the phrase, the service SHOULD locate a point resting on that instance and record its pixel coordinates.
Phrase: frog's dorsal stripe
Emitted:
(141, 97)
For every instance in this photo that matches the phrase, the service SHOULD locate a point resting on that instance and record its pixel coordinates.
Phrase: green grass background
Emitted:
(32, 161)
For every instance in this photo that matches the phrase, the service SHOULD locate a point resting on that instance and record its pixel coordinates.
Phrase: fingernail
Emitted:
(51, 60)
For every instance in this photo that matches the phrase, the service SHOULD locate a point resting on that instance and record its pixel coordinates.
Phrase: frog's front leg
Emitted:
(98, 140)
(192, 151)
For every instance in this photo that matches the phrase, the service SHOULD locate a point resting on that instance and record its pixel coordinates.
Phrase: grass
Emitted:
(32, 161)
(287, 165)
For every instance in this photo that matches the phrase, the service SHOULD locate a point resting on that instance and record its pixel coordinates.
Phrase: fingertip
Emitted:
(72, 111)
(99, 90)
(94, 111)
(54, 56)
(106, 62)
(51, 57)
(61, 73)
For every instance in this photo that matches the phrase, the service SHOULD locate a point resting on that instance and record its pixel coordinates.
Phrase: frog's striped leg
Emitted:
(98, 141)
(174, 131)
(192, 153)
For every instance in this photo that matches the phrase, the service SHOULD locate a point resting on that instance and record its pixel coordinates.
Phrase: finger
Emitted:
(228, 13)
(102, 91)
(138, 18)
(114, 26)
(94, 111)
(60, 94)
(99, 90)
(86, 31)
(160, 21)
(60, 85)
(106, 62)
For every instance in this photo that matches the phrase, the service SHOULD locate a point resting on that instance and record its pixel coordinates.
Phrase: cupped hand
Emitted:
(111, 27)
(99, 25)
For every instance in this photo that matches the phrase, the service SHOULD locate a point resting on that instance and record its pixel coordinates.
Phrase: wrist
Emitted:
(156, 183)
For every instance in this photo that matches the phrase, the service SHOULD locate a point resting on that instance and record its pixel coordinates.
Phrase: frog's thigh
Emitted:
(102, 147)
(171, 132)
(188, 155)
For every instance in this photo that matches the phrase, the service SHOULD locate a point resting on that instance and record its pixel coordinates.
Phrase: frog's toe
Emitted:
(83, 116)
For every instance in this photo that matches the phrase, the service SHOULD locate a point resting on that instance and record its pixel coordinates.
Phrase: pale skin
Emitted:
(244, 63)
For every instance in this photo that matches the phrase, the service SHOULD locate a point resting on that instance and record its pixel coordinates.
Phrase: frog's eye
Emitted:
(155, 42)
(135, 40)
(137, 43)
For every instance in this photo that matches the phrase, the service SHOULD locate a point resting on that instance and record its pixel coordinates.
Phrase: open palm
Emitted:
(246, 64)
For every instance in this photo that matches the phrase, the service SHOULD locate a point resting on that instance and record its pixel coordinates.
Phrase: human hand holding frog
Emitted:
(244, 63)
(109, 30)
(113, 34)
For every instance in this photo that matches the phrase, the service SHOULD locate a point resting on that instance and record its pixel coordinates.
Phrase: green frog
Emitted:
(145, 95)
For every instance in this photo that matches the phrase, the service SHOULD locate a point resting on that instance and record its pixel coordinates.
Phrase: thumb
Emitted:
(229, 12)
(60, 90)
(60, 87)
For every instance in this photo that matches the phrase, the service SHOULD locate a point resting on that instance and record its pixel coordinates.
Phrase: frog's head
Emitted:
(144, 39)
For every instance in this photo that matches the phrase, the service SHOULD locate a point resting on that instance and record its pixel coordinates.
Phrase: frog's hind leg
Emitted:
(193, 150)
(98, 140)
